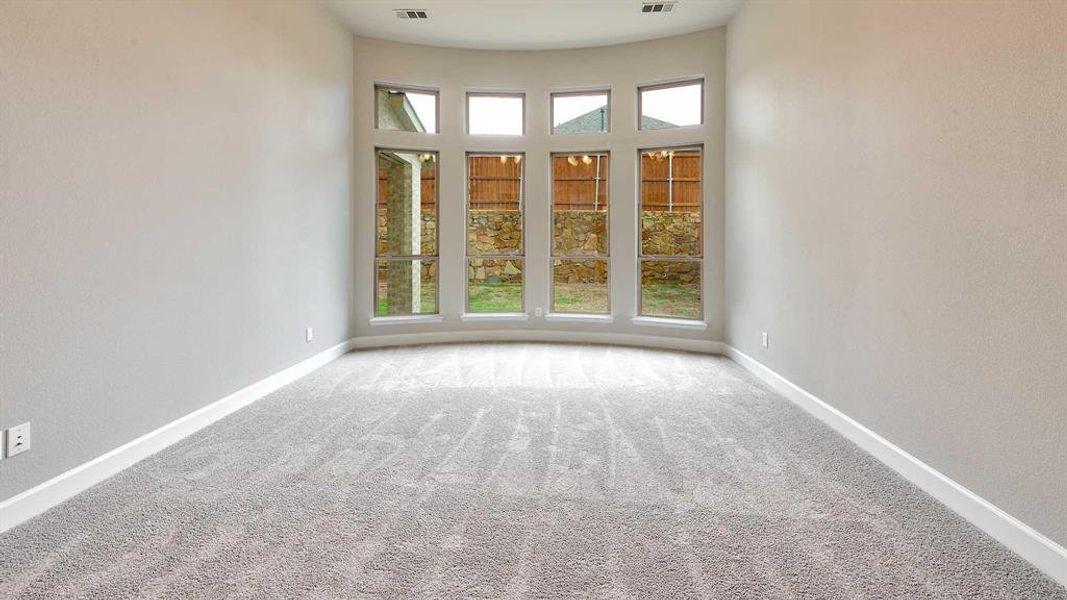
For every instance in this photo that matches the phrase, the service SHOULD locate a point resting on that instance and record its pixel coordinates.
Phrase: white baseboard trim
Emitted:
(539, 335)
(36, 500)
(1043, 553)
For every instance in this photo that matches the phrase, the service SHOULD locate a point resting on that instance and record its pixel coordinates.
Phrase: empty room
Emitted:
(758, 299)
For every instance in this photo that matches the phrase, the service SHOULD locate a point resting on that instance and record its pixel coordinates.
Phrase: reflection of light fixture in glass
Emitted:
(586, 159)
(573, 160)
(503, 159)
(518, 158)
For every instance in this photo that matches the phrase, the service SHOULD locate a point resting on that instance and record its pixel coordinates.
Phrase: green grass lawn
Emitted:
(671, 300)
(581, 298)
(429, 300)
(667, 300)
(495, 297)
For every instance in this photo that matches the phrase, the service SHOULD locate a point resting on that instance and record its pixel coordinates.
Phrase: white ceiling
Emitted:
(528, 24)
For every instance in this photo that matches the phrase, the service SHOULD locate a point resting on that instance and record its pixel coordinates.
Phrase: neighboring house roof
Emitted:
(654, 123)
(596, 120)
(400, 105)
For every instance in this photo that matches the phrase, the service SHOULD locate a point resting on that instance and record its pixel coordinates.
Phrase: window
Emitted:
(580, 233)
(671, 250)
(495, 114)
(406, 233)
(671, 105)
(581, 112)
(403, 109)
(495, 245)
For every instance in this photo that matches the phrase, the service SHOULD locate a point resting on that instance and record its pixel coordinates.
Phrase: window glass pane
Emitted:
(405, 110)
(494, 285)
(580, 286)
(671, 219)
(494, 209)
(671, 288)
(494, 233)
(675, 106)
(580, 113)
(580, 205)
(406, 287)
(407, 203)
(494, 115)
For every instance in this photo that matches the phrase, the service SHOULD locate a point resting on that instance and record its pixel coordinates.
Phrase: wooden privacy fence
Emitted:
(668, 183)
(580, 182)
(671, 182)
(494, 182)
(428, 191)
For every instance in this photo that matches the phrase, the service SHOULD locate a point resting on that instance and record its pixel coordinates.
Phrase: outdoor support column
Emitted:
(415, 235)
(403, 210)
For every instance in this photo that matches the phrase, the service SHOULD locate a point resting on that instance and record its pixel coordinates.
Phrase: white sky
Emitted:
(565, 108)
(495, 115)
(425, 106)
(502, 115)
(678, 105)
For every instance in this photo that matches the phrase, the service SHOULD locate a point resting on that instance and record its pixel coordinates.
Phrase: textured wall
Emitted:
(174, 211)
(896, 219)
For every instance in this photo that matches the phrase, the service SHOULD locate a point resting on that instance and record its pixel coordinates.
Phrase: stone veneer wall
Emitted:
(497, 232)
(428, 237)
(668, 234)
(494, 232)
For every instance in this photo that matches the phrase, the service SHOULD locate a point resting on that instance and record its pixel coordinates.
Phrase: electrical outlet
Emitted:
(310, 334)
(765, 341)
(18, 439)
(538, 312)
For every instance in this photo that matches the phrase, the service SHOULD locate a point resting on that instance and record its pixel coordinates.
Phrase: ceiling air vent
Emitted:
(410, 13)
(657, 7)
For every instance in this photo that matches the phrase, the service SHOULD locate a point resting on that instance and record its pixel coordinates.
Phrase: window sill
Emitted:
(405, 319)
(495, 317)
(668, 322)
(579, 318)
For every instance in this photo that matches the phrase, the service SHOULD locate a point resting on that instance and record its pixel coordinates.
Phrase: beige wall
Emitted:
(896, 219)
(620, 68)
(175, 180)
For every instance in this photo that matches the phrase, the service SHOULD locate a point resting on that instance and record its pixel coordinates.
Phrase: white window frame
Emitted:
(642, 257)
(552, 256)
(486, 316)
(586, 92)
(434, 258)
(493, 94)
(378, 86)
(667, 85)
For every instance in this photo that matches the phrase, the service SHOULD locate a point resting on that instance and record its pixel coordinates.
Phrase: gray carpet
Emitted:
(518, 471)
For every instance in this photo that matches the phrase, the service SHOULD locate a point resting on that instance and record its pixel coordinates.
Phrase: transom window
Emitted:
(491, 113)
(581, 112)
(580, 233)
(495, 244)
(671, 247)
(669, 105)
(406, 109)
(405, 272)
